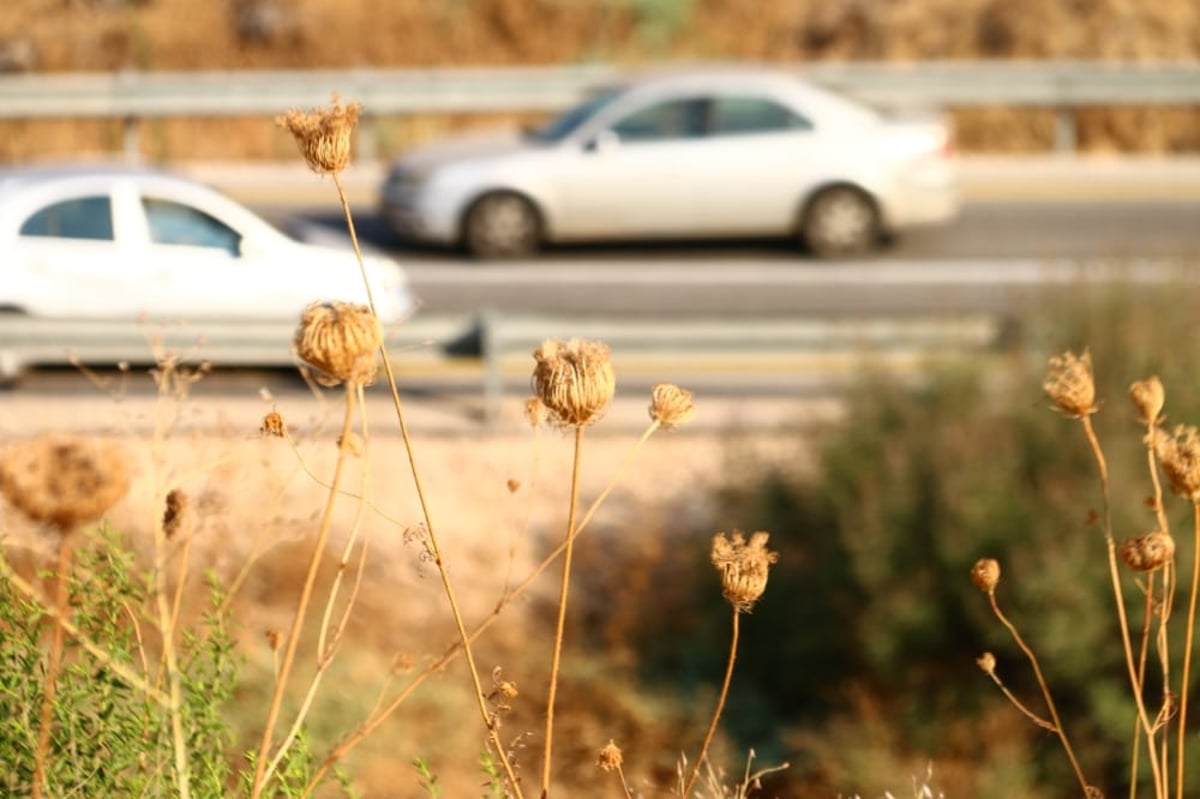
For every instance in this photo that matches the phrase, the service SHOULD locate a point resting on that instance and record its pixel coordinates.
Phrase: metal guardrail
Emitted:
(132, 96)
(492, 351)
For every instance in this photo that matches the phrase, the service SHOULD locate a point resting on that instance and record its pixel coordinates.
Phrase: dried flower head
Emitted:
(323, 134)
(987, 663)
(1148, 552)
(175, 512)
(63, 480)
(341, 340)
(1148, 397)
(1070, 385)
(1179, 454)
(274, 639)
(513, 485)
(743, 566)
(273, 425)
(574, 380)
(610, 758)
(986, 574)
(671, 405)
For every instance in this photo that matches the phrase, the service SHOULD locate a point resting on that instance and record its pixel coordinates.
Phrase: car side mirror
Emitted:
(603, 142)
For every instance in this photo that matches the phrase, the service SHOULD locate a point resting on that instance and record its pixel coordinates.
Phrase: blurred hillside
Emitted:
(58, 35)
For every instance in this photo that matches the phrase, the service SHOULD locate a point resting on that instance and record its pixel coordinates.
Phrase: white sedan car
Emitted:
(95, 249)
(730, 153)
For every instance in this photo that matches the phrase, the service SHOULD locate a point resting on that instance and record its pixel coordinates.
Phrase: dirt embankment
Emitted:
(53, 35)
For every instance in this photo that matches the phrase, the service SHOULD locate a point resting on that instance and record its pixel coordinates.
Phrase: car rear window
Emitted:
(77, 218)
(741, 115)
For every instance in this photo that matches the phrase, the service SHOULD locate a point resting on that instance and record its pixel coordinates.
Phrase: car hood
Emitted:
(466, 147)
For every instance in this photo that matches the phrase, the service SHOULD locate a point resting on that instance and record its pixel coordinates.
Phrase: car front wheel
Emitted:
(502, 225)
(840, 221)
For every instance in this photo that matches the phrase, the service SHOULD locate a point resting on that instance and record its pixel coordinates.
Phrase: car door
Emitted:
(74, 262)
(193, 258)
(634, 176)
(761, 156)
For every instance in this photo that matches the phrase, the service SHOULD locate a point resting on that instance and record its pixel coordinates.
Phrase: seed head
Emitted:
(63, 480)
(323, 135)
(1070, 385)
(1148, 397)
(671, 405)
(574, 380)
(610, 758)
(1148, 552)
(351, 444)
(743, 567)
(1179, 454)
(986, 574)
(341, 340)
(175, 512)
(987, 663)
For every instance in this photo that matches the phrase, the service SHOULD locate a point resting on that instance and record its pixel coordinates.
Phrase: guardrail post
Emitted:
(491, 350)
(131, 138)
(1065, 134)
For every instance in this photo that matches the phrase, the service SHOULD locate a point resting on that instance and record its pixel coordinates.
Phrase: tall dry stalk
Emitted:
(324, 139)
(574, 381)
(744, 567)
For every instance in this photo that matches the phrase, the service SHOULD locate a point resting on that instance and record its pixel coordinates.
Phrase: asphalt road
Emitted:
(991, 247)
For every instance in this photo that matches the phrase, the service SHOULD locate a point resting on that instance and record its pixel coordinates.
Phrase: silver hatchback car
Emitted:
(701, 154)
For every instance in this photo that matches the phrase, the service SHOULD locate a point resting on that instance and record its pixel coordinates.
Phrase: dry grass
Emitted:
(319, 34)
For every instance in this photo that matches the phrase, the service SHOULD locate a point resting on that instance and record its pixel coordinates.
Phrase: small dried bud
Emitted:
(1179, 454)
(340, 339)
(1092, 792)
(671, 405)
(513, 485)
(351, 443)
(986, 574)
(507, 689)
(274, 639)
(535, 412)
(987, 663)
(1148, 552)
(273, 426)
(1148, 397)
(63, 480)
(574, 380)
(174, 514)
(610, 758)
(323, 135)
(743, 567)
(1070, 385)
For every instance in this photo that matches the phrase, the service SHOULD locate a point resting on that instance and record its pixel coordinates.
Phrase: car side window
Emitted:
(175, 223)
(676, 119)
(732, 116)
(77, 218)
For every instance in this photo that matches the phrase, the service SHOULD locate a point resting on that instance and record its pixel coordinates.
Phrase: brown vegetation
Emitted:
(305, 34)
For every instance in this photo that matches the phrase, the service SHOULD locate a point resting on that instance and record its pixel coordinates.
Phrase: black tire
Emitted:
(502, 225)
(839, 222)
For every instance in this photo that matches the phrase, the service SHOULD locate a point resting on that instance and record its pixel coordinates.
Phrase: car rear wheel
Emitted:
(502, 225)
(840, 221)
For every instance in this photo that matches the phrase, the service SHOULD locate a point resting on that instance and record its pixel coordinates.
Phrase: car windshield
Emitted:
(565, 124)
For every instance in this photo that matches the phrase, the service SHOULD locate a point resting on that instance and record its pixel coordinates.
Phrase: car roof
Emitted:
(34, 174)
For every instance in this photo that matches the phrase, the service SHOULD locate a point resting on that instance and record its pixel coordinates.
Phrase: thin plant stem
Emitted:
(326, 649)
(556, 656)
(62, 594)
(476, 681)
(1019, 705)
(1037, 671)
(1180, 759)
(293, 639)
(1143, 651)
(1114, 574)
(373, 722)
(712, 725)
